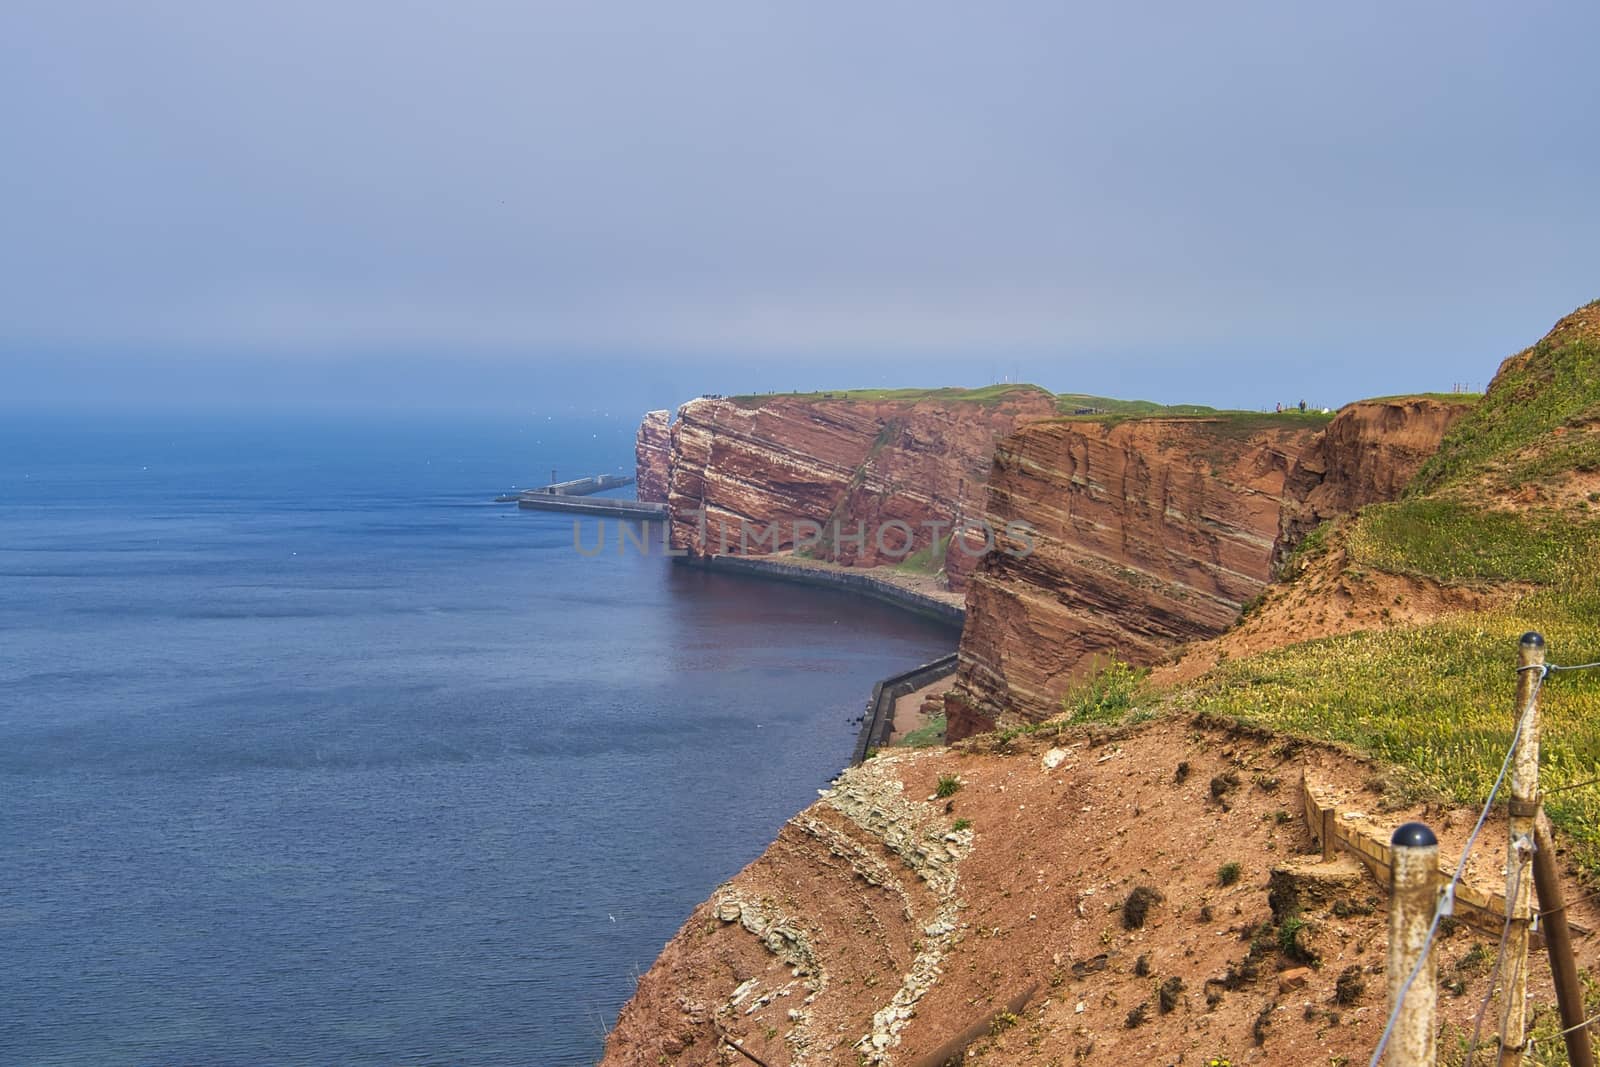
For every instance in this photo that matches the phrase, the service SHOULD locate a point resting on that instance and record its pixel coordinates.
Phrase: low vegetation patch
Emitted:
(1088, 404)
(1136, 909)
(1438, 699)
(927, 735)
(927, 560)
(1107, 697)
(987, 395)
(1453, 542)
(1551, 388)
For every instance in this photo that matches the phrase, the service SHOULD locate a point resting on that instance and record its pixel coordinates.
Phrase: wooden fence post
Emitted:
(1413, 877)
(1558, 943)
(1524, 807)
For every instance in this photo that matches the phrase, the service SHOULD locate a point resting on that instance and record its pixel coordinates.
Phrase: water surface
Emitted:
(309, 754)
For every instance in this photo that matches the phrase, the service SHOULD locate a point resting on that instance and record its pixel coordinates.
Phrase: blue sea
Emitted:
(312, 754)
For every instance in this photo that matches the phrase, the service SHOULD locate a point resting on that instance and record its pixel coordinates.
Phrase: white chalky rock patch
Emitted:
(785, 939)
(873, 798)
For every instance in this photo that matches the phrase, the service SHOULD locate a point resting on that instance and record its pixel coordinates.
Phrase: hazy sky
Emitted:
(503, 205)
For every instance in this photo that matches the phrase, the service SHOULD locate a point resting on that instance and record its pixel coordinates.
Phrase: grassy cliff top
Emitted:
(1448, 398)
(1086, 404)
(1228, 422)
(1537, 420)
(988, 395)
(1069, 405)
(1510, 505)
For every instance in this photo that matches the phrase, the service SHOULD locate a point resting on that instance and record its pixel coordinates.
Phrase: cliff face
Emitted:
(652, 456)
(859, 480)
(1148, 533)
(1368, 454)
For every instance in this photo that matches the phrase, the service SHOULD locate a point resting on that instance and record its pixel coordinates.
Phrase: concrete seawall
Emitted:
(865, 584)
(879, 724)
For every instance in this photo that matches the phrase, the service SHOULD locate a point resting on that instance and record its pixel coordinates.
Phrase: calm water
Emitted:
(310, 755)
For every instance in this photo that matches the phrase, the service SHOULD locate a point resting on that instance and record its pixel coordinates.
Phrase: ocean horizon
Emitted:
(311, 753)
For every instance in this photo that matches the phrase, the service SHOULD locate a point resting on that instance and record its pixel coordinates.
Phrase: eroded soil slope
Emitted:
(886, 921)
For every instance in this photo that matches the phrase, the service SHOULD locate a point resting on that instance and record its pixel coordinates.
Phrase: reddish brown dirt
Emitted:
(1332, 597)
(796, 955)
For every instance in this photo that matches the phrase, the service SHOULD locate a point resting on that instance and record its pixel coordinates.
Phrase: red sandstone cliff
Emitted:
(1155, 532)
(652, 455)
(788, 470)
(1368, 454)
(1149, 533)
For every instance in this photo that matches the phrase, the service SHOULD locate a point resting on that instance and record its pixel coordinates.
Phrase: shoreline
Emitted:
(944, 607)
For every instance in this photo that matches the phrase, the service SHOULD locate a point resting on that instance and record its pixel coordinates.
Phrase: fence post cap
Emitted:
(1413, 835)
(1533, 639)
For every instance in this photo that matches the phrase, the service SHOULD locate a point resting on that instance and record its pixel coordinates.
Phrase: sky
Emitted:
(523, 206)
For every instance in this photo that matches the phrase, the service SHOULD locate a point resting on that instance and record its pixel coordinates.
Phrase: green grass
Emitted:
(949, 785)
(987, 395)
(1067, 403)
(1242, 424)
(928, 560)
(1455, 542)
(1439, 699)
(1236, 425)
(929, 734)
(1448, 398)
(1556, 386)
(1107, 697)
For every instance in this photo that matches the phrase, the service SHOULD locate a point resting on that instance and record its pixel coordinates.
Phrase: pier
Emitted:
(619, 509)
(568, 496)
(596, 483)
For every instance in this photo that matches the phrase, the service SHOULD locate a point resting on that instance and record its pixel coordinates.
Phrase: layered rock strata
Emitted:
(1368, 454)
(860, 481)
(652, 455)
(1146, 533)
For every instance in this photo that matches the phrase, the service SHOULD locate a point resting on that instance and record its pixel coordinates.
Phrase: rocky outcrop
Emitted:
(652, 456)
(1367, 454)
(1147, 533)
(860, 480)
